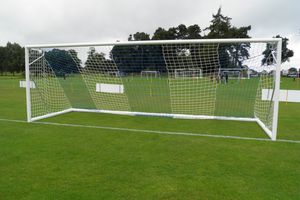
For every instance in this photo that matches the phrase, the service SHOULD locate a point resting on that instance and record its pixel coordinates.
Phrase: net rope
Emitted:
(47, 96)
(162, 78)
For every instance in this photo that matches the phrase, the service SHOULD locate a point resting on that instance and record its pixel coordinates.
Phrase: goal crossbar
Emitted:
(154, 42)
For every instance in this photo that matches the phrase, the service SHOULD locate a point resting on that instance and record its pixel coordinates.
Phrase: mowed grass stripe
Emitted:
(45, 161)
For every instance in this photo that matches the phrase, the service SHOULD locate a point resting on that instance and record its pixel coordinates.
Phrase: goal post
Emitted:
(27, 77)
(273, 133)
(110, 78)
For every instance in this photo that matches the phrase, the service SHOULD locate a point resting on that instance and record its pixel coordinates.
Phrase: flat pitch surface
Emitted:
(40, 161)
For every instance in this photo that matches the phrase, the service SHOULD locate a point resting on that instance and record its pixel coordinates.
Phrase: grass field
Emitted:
(52, 161)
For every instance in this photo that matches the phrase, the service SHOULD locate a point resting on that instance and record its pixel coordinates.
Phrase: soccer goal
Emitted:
(188, 73)
(188, 89)
(150, 74)
(114, 73)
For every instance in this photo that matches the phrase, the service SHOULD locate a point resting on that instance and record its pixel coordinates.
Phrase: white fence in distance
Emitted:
(284, 95)
(23, 84)
(109, 88)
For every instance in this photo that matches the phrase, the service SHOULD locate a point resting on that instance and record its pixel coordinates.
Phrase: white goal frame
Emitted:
(177, 72)
(149, 72)
(272, 134)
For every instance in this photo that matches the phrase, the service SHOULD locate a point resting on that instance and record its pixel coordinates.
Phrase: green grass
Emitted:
(290, 83)
(40, 161)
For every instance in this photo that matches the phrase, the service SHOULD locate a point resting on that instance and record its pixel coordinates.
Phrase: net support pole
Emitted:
(277, 90)
(27, 76)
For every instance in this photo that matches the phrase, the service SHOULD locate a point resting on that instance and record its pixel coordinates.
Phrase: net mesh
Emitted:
(180, 78)
(98, 69)
(48, 95)
(188, 93)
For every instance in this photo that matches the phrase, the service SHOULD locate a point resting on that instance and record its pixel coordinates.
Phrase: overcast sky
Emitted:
(55, 21)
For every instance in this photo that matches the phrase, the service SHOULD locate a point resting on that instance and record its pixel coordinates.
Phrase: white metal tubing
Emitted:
(263, 126)
(177, 116)
(277, 90)
(51, 114)
(278, 41)
(155, 42)
(37, 59)
(27, 76)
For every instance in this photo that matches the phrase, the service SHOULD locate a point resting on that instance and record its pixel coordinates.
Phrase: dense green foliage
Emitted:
(220, 27)
(286, 53)
(179, 32)
(12, 55)
(139, 36)
(12, 58)
(62, 62)
(134, 59)
(131, 59)
(231, 54)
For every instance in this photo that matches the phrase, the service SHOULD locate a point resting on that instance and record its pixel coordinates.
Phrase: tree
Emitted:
(162, 34)
(74, 56)
(2, 58)
(232, 54)
(62, 62)
(13, 58)
(95, 61)
(194, 32)
(179, 32)
(134, 59)
(286, 53)
(139, 36)
(219, 27)
(293, 70)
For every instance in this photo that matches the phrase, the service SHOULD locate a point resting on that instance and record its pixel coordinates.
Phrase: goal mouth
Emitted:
(222, 79)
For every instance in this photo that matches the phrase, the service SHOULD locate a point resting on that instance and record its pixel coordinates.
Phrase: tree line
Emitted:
(141, 57)
(11, 58)
(150, 57)
(220, 27)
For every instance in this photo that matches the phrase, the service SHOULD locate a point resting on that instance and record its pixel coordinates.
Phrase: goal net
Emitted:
(110, 78)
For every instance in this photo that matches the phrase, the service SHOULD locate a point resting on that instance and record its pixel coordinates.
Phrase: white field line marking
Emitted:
(13, 120)
(152, 131)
